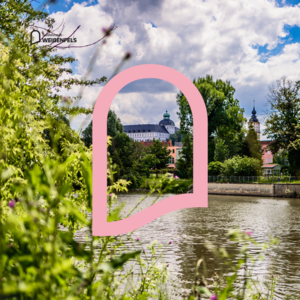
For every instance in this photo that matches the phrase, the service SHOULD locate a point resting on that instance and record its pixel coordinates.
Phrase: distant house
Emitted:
(271, 169)
(267, 155)
(174, 155)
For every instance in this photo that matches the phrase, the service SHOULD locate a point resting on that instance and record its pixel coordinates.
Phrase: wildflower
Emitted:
(137, 239)
(144, 251)
(167, 265)
(214, 297)
(75, 195)
(176, 177)
(170, 242)
(249, 233)
(12, 203)
(110, 195)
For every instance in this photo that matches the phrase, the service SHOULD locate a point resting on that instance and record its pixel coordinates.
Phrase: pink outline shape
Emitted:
(199, 197)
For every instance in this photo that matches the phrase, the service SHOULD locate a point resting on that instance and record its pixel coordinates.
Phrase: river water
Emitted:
(189, 228)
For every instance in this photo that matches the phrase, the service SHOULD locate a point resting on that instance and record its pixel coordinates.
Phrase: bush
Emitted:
(215, 168)
(242, 166)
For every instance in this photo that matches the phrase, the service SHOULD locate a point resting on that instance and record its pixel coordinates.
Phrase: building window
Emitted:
(173, 151)
(269, 152)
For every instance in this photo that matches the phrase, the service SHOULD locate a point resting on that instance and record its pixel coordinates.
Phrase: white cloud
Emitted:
(196, 38)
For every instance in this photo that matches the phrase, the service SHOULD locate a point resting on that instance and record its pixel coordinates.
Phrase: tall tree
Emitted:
(225, 117)
(161, 152)
(185, 163)
(114, 127)
(282, 124)
(252, 144)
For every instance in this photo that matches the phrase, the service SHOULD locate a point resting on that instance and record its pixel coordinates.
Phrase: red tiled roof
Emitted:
(148, 144)
(269, 165)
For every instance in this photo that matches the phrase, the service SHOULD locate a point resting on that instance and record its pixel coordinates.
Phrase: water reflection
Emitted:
(188, 228)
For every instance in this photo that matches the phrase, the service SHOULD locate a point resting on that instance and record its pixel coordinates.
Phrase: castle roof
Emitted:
(145, 128)
(166, 120)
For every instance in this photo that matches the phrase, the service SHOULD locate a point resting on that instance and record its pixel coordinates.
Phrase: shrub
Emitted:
(242, 166)
(215, 168)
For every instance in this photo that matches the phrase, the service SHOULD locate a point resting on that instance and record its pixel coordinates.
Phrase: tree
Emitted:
(148, 162)
(225, 117)
(282, 124)
(221, 150)
(176, 137)
(185, 163)
(114, 126)
(32, 78)
(252, 144)
(87, 135)
(161, 152)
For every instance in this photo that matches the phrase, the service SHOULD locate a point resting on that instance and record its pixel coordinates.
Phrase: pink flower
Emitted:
(170, 242)
(176, 177)
(249, 233)
(214, 297)
(12, 203)
(110, 195)
(137, 239)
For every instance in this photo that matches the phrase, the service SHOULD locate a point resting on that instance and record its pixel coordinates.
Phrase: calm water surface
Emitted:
(189, 228)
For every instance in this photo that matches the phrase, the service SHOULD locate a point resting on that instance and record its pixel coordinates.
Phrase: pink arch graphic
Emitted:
(199, 197)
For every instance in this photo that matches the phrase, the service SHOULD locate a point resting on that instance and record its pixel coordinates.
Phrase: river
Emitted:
(189, 228)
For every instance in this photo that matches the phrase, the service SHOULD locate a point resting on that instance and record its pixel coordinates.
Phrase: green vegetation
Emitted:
(236, 166)
(46, 184)
(177, 186)
(176, 137)
(225, 117)
(283, 121)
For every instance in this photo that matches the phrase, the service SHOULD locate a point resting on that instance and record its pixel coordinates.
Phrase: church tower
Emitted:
(254, 121)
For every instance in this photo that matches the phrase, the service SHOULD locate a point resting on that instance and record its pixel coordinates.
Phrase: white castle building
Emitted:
(148, 132)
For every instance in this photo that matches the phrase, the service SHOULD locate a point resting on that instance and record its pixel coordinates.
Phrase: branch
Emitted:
(107, 34)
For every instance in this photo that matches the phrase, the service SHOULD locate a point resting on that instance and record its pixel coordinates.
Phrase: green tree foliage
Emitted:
(176, 137)
(242, 166)
(114, 126)
(39, 167)
(225, 117)
(215, 168)
(87, 135)
(251, 146)
(149, 162)
(161, 153)
(221, 150)
(184, 164)
(126, 157)
(282, 124)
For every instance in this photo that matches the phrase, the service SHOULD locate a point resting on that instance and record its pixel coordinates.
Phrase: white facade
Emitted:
(148, 136)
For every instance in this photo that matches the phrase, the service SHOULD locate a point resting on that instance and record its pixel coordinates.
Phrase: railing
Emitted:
(255, 179)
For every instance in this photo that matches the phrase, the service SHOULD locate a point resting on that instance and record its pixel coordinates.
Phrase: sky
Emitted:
(250, 43)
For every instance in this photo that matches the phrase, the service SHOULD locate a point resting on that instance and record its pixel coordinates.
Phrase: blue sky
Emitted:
(251, 43)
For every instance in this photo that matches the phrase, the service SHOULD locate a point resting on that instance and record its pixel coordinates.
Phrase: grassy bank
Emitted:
(177, 186)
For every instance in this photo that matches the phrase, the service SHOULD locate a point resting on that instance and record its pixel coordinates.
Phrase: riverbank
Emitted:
(269, 190)
(177, 186)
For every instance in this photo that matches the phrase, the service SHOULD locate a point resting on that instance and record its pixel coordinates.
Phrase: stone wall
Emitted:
(271, 190)
(286, 190)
